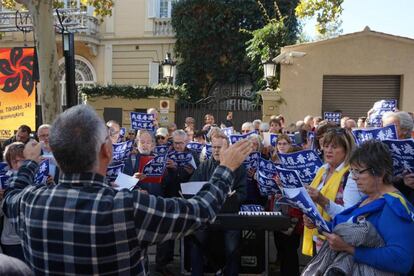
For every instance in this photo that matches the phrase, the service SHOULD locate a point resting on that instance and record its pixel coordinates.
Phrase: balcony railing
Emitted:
(163, 27)
(74, 20)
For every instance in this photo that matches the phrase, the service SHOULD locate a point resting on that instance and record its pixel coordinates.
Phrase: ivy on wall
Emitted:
(135, 92)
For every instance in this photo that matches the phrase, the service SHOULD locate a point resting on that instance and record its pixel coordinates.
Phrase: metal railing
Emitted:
(74, 20)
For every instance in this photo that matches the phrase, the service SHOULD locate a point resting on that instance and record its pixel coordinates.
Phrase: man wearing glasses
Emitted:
(161, 136)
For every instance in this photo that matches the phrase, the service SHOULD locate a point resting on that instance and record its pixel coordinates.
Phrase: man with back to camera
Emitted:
(83, 226)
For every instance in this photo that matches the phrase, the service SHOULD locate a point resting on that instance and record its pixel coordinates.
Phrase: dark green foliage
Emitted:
(135, 92)
(210, 46)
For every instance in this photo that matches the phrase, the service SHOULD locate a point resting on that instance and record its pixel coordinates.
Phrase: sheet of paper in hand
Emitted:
(142, 121)
(182, 159)
(195, 146)
(380, 133)
(161, 150)
(252, 161)
(234, 138)
(402, 152)
(156, 166)
(267, 186)
(305, 162)
(113, 171)
(379, 108)
(295, 194)
(334, 117)
(119, 151)
(192, 188)
(124, 181)
(42, 173)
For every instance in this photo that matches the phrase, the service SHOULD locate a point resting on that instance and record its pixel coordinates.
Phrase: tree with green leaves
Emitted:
(43, 24)
(210, 46)
(327, 14)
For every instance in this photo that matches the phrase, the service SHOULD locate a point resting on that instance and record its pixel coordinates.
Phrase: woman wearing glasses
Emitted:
(390, 245)
(332, 188)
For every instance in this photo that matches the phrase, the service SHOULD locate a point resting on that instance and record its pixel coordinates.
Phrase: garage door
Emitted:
(355, 95)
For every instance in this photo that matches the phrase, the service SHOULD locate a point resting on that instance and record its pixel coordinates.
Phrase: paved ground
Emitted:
(175, 267)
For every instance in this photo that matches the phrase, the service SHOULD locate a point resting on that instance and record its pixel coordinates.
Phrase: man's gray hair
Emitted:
(76, 138)
(180, 132)
(248, 125)
(43, 127)
(406, 121)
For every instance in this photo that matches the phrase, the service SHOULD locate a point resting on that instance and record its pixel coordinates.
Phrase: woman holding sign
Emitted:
(332, 188)
(378, 231)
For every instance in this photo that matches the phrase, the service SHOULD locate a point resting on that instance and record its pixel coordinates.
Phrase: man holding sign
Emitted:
(204, 172)
(83, 225)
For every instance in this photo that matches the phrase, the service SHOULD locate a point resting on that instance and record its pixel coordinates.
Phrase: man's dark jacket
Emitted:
(206, 169)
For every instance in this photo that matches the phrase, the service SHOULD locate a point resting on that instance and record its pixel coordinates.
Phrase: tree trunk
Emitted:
(43, 23)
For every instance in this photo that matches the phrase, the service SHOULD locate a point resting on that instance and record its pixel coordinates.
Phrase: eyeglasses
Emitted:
(160, 137)
(356, 173)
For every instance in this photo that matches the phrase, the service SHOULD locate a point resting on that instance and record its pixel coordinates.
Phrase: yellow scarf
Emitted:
(329, 190)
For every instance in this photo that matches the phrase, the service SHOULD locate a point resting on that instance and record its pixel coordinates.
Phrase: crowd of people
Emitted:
(79, 223)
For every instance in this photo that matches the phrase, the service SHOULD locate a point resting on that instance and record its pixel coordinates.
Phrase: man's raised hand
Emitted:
(233, 156)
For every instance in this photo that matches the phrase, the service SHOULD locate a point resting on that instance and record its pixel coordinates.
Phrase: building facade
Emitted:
(347, 74)
(126, 48)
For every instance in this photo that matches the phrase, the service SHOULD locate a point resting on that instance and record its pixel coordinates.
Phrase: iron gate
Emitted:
(237, 97)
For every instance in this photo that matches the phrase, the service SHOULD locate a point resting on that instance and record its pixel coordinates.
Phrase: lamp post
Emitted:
(269, 70)
(168, 67)
(68, 42)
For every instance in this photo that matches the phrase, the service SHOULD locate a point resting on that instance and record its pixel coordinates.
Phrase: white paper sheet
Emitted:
(191, 188)
(125, 181)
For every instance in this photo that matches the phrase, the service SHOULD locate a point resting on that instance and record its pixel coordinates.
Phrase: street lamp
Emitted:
(69, 54)
(168, 67)
(269, 69)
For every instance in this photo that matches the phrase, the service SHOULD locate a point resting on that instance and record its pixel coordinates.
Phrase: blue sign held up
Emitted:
(142, 121)
(113, 171)
(381, 134)
(305, 162)
(195, 146)
(156, 166)
(182, 159)
(402, 152)
(234, 138)
(379, 108)
(334, 117)
(42, 173)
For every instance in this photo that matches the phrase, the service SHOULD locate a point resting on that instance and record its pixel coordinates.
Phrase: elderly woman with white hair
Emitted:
(247, 127)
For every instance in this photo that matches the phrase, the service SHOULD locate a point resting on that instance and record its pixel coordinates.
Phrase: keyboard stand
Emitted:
(182, 259)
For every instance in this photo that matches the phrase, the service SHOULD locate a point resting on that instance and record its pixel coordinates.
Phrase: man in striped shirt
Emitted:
(82, 226)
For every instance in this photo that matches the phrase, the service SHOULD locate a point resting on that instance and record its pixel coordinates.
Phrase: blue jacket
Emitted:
(393, 217)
